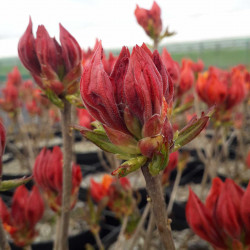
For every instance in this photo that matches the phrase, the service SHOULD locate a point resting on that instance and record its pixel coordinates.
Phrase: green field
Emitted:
(221, 53)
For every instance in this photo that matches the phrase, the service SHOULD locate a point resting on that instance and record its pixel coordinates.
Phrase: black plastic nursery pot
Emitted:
(89, 163)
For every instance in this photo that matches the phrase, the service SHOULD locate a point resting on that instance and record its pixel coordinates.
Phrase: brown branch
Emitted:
(154, 189)
(67, 175)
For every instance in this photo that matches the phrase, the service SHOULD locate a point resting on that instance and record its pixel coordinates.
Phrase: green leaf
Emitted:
(11, 184)
(130, 166)
(54, 98)
(159, 161)
(192, 129)
(101, 140)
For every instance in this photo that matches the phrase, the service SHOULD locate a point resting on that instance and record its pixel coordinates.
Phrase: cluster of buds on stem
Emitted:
(56, 68)
(10, 101)
(223, 88)
(132, 106)
(48, 171)
(151, 22)
(223, 220)
(26, 210)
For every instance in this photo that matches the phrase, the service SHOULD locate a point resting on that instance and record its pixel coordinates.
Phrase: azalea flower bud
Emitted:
(224, 219)
(228, 209)
(26, 210)
(225, 89)
(15, 77)
(198, 66)
(245, 213)
(108, 63)
(150, 20)
(133, 110)
(186, 77)
(48, 176)
(131, 106)
(172, 66)
(201, 221)
(54, 67)
(10, 101)
(85, 119)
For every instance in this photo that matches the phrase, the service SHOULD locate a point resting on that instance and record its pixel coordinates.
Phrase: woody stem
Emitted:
(156, 43)
(154, 189)
(67, 175)
(3, 241)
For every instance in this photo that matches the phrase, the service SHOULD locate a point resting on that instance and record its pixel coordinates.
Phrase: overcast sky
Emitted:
(113, 21)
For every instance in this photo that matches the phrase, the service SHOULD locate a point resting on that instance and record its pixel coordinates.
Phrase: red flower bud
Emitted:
(237, 89)
(10, 101)
(48, 176)
(54, 67)
(27, 51)
(225, 89)
(150, 20)
(132, 107)
(201, 221)
(15, 77)
(214, 194)
(245, 213)
(227, 212)
(186, 79)
(228, 209)
(85, 119)
(108, 63)
(198, 66)
(172, 66)
(4, 213)
(26, 210)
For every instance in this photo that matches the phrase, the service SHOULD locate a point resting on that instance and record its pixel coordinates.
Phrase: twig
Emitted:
(57, 235)
(28, 143)
(139, 226)
(120, 237)
(102, 160)
(210, 169)
(67, 175)
(154, 189)
(174, 191)
(151, 226)
(98, 241)
(4, 245)
(156, 43)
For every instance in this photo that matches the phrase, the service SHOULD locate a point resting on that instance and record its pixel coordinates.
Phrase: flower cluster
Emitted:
(226, 89)
(54, 67)
(47, 172)
(26, 210)
(131, 104)
(223, 220)
(150, 20)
